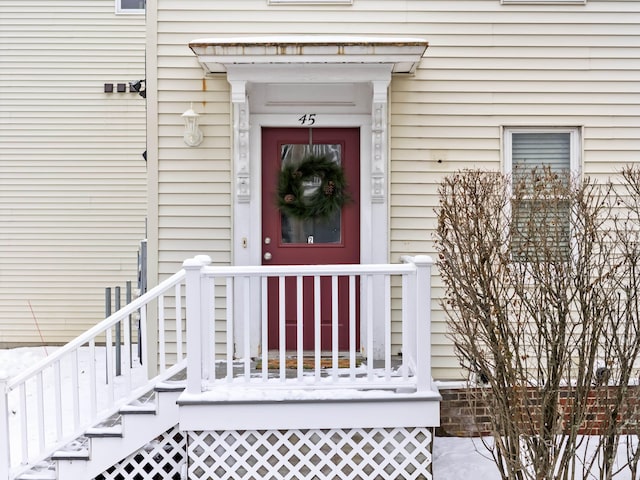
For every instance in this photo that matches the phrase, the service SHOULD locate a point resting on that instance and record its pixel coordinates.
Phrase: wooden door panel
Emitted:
(290, 241)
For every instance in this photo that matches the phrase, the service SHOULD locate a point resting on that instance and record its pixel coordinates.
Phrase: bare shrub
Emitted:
(542, 282)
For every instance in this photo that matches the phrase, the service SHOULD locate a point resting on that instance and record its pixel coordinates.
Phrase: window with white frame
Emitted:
(131, 6)
(542, 163)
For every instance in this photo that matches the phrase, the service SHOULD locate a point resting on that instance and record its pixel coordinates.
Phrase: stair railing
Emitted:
(35, 422)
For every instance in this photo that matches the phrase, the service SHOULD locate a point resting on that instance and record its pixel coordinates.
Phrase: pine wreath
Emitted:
(330, 196)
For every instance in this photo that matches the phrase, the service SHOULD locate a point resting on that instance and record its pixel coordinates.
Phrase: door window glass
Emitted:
(312, 230)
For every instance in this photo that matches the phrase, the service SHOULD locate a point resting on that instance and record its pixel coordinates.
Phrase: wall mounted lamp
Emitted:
(192, 133)
(139, 86)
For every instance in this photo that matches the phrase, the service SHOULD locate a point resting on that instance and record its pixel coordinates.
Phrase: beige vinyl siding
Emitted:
(487, 66)
(72, 176)
(194, 184)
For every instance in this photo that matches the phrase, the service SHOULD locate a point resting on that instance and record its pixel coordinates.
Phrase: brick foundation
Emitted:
(464, 413)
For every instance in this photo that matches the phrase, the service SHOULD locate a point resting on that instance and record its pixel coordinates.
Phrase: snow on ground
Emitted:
(453, 458)
(462, 459)
(13, 361)
(466, 458)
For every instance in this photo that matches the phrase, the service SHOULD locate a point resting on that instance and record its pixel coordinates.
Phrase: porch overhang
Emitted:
(401, 55)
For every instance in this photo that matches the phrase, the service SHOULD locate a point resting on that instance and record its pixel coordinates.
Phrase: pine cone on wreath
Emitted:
(329, 189)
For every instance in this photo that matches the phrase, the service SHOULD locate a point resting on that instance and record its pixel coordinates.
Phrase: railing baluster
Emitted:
(127, 298)
(75, 390)
(317, 330)
(118, 339)
(5, 432)
(24, 429)
(57, 378)
(93, 394)
(229, 321)
(142, 341)
(407, 351)
(369, 300)
(334, 326)
(282, 325)
(299, 322)
(387, 327)
(162, 353)
(40, 418)
(247, 328)
(352, 326)
(208, 317)
(109, 365)
(178, 296)
(264, 325)
(127, 352)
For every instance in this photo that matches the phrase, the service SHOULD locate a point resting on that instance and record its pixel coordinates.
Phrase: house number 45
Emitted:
(307, 119)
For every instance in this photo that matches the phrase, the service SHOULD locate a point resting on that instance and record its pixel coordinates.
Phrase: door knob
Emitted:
(267, 256)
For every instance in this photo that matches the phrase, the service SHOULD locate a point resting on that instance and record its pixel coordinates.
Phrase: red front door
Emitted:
(301, 238)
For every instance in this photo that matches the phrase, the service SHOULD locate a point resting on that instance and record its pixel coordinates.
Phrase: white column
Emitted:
(243, 218)
(379, 142)
(379, 207)
(241, 141)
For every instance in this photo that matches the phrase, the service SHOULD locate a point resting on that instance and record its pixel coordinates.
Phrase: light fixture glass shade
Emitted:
(192, 133)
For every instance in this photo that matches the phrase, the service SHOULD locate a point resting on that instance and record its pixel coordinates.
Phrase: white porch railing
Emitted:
(225, 326)
(241, 294)
(56, 400)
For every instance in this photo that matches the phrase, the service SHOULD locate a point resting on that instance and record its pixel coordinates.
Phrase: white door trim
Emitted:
(248, 215)
(247, 159)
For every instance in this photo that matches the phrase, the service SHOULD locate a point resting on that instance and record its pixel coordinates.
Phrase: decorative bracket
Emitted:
(241, 141)
(379, 141)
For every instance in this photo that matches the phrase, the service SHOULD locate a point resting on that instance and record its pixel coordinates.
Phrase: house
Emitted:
(492, 69)
(250, 105)
(72, 174)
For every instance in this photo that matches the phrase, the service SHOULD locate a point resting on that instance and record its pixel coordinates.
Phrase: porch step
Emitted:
(45, 471)
(103, 432)
(132, 428)
(38, 476)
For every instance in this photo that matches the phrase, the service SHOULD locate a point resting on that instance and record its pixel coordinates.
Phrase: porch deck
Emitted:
(342, 397)
(225, 393)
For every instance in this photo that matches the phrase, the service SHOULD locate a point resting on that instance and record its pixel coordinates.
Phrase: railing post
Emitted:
(193, 295)
(409, 319)
(5, 457)
(423, 265)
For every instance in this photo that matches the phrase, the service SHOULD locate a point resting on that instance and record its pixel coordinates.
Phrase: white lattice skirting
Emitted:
(369, 453)
(161, 459)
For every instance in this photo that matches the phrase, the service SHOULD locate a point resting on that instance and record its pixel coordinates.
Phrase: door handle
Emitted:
(267, 256)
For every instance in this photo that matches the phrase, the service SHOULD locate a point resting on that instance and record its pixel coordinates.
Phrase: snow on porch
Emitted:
(364, 390)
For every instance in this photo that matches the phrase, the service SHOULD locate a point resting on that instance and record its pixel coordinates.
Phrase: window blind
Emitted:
(541, 229)
(540, 149)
